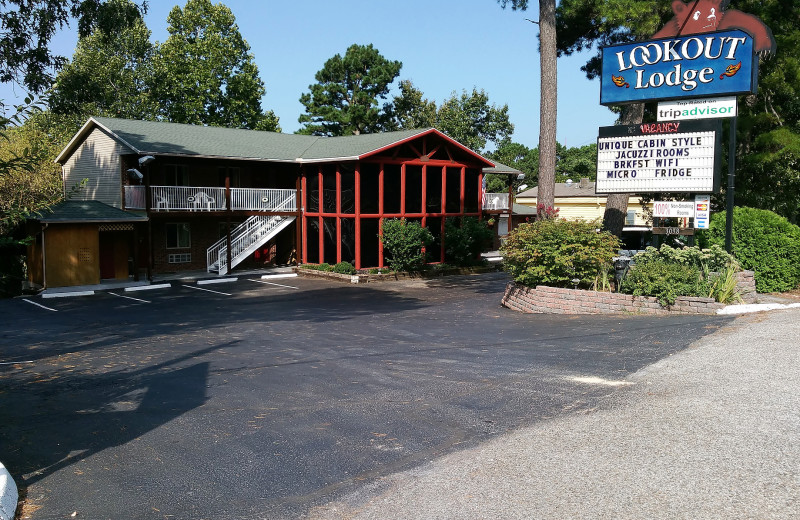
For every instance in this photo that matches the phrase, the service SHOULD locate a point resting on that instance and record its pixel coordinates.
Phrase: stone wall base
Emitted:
(555, 300)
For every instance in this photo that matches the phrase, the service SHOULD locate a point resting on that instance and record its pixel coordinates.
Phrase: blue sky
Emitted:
(444, 45)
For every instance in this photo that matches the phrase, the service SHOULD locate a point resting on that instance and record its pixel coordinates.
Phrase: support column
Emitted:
(300, 221)
(228, 218)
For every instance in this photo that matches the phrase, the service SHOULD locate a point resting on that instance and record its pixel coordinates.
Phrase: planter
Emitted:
(392, 277)
(556, 300)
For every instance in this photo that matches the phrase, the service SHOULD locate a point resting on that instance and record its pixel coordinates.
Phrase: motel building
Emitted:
(148, 198)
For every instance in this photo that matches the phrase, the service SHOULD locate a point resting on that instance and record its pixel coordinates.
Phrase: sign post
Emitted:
(731, 187)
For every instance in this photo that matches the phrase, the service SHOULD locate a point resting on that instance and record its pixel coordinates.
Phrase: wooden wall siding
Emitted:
(98, 160)
(72, 255)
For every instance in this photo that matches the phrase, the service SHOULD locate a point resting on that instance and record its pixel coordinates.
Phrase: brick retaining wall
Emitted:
(555, 300)
(746, 285)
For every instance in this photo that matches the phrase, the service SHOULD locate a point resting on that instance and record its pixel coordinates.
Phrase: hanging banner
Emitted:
(673, 208)
(669, 157)
(701, 65)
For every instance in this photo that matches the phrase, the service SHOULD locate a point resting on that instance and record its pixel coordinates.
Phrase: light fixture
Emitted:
(147, 159)
(135, 174)
(520, 176)
(522, 187)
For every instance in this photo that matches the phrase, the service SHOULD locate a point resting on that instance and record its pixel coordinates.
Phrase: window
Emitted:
(176, 175)
(179, 258)
(178, 235)
(630, 219)
(233, 172)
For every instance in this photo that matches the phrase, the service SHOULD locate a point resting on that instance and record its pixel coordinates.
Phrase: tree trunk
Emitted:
(549, 98)
(617, 203)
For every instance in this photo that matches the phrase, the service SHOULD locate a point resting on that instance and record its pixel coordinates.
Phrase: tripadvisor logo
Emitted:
(707, 111)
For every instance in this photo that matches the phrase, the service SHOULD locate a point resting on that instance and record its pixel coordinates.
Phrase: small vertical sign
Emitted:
(702, 211)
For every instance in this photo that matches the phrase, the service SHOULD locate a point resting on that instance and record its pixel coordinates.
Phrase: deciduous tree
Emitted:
(109, 76)
(204, 72)
(471, 120)
(26, 27)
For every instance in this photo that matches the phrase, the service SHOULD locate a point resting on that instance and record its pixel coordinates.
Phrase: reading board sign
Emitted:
(667, 157)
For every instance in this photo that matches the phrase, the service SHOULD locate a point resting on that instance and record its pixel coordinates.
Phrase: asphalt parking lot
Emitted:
(263, 398)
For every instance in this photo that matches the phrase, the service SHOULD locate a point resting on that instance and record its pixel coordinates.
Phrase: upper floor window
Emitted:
(630, 219)
(233, 172)
(176, 175)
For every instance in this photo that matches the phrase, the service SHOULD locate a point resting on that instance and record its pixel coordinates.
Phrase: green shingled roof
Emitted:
(148, 137)
(502, 168)
(86, 211)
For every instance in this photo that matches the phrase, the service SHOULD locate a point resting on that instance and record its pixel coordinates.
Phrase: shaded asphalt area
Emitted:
(265, 401)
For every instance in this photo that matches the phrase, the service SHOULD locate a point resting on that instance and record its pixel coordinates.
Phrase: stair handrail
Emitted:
(217, 252)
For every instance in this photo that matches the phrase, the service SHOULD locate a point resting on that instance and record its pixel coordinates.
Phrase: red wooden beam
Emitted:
(357, 192)
(463, 186)
(304, 220)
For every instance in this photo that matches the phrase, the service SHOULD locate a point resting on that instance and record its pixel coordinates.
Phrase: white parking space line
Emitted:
(277, 284)
(216, 280)
(129, 297)
(39, 305)
(207, 290)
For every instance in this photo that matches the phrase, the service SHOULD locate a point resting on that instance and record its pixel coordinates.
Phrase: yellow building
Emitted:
(578, 200)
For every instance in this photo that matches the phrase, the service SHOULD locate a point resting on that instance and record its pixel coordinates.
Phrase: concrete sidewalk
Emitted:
(711, 432)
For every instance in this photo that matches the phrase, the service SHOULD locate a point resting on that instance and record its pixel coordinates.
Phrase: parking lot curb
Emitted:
(148, 287)
(216, 280)
(8, 494)
(276, 276)
(67, 294)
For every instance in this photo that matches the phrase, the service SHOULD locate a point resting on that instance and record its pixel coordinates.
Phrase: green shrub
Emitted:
(403, 244)
(344, 268)
(317, 267)
(555, 251)
(764, 243)
(464, 243)
(723, 286)
(665, 280)
(712, 259)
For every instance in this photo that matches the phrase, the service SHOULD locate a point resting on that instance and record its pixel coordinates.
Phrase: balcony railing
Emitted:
(134, 197)
(193, 198)
(496, 201)
(249, 199)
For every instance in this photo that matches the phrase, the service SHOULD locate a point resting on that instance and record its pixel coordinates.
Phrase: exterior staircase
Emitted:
(246, 238)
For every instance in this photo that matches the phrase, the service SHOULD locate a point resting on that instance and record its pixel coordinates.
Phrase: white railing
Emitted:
(496, 201)
(263, 199)
(134, 197)
(249, 234)
(186, 198)
(194, 198)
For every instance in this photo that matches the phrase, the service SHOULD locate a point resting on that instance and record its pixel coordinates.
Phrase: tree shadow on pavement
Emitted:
(55, 420)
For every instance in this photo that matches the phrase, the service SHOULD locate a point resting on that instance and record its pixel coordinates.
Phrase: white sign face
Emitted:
(673, 208)
(702, 211)
(710, 108)
(678, 156)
